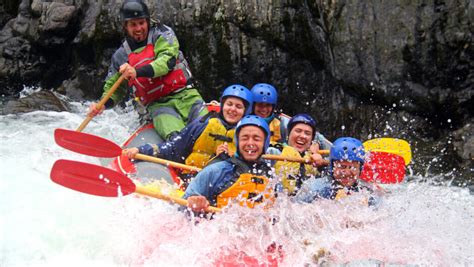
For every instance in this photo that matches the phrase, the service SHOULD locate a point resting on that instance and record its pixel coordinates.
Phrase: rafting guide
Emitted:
(158, 75)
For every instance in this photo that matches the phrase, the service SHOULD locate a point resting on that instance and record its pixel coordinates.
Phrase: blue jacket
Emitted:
(317, 188)
(217, 177)
(181, 146)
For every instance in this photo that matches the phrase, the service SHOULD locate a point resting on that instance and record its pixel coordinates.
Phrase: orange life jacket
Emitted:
(249, 190)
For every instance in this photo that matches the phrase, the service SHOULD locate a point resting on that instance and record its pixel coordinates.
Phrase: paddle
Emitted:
(383, 167)
(386, 160)
(96, 146)
(101, 103)
(390, 145)
(290, 159)
(100, 181)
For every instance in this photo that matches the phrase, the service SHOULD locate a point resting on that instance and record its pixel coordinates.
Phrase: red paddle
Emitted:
(100, 181)
(384, 168)
(91, 179)
(381, 167)
(96, 146)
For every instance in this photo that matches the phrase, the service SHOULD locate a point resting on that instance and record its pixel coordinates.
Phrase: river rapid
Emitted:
(45, 224)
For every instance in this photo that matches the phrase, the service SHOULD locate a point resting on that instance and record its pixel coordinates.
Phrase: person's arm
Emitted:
(209, 182)
(112, 77)
(197, 192)
(180, 146)
(200, 190)
(177, 149)
(311, 189)
(119, 58)
(201, 184)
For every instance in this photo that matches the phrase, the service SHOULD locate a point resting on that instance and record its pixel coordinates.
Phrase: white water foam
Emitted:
(45, 224)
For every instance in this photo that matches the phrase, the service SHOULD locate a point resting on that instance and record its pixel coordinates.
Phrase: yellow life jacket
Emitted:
(275, 131)
(205, 146)
(343, 193)
(249, 190)
(290, 171)
(340, 194)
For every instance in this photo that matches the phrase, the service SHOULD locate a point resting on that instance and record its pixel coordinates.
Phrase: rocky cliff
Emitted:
(363, 68)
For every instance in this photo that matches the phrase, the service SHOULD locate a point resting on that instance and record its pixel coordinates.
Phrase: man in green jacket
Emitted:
(156, 71)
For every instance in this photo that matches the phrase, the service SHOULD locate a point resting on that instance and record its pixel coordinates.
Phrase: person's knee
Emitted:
(171, 136)
(166, 125)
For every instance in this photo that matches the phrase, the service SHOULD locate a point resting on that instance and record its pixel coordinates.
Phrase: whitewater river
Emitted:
(45, 224)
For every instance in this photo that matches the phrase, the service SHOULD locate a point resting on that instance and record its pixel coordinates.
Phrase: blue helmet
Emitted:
(302, 118)
(346, 148)
(239, 91)
(264, 93)
(256, 121)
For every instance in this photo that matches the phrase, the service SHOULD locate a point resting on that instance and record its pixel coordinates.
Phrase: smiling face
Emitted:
(346, 172)
(137, 29)
(251, 142)
(263, 110)
(233, 109)
(300, 137)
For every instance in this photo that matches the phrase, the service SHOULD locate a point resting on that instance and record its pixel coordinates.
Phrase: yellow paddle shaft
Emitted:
(167, 162)
(101, 103)
(290, 159)
(196, 169)
(183, 202)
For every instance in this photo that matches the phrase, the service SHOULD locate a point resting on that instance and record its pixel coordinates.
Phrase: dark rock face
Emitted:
(8, 10)
(42, 100)
(363, 68)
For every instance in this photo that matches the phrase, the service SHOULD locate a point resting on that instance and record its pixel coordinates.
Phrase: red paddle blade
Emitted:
(91, 179)
(86, 144)
(383, 167)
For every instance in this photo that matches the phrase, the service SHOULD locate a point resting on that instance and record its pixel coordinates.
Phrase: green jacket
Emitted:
(166, 53)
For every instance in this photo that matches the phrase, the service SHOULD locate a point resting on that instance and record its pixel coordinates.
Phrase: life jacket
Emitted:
(205, 146)
(339, 192)
(293, 173)
(247, 189)
(275, 131)
(148, 89)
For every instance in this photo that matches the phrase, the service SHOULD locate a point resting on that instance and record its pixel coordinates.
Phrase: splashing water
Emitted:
(43, 223)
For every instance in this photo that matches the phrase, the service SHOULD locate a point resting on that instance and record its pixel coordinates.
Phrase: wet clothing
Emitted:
(196, 143)
(181, 103)
(292, 174)
(274, 124)
(172, 113)
(327, 188)
(148, 89)
(214, 134)
(233, 178)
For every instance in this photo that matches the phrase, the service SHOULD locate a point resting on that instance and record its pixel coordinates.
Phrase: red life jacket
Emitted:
(147, 89)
